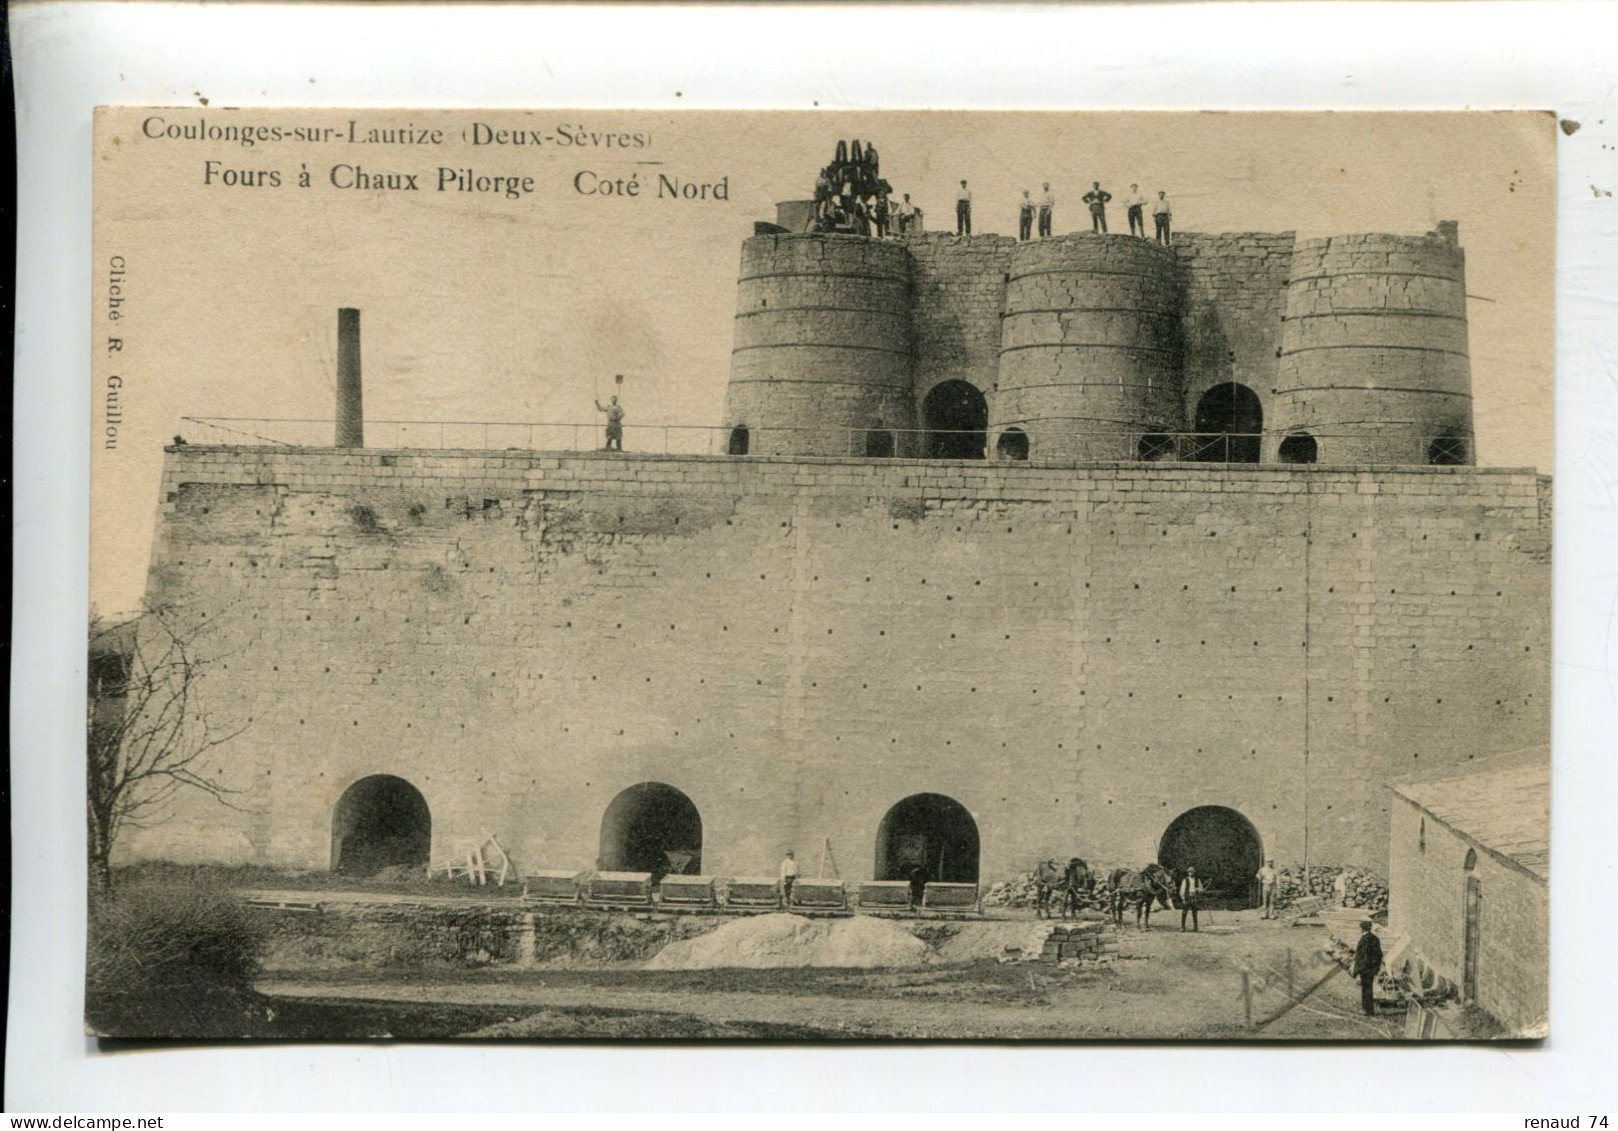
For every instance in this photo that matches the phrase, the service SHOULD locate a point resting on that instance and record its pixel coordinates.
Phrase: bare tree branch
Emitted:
(148, 739)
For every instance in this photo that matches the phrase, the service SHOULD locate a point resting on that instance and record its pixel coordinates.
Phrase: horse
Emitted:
(1153, 882)
(1077, 883)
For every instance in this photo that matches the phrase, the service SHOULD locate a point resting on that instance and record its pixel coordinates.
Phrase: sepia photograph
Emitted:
(820, 576)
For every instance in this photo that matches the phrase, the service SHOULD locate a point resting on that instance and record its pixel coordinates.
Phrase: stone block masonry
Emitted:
(1347, 350)
(1235, 291)
(1427, 898)
(960, 292)
(1075, 654)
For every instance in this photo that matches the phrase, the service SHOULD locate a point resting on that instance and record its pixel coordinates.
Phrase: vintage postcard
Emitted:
(637, 574)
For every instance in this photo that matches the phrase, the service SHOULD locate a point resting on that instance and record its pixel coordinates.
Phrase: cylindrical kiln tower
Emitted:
(822, 360)
(1090, 350)
(1374, 365)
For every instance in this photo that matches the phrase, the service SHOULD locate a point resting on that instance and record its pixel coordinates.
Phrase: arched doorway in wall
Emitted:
(1224, 848)
(929, 833)
(651, 827)
(1012, 444)
(956, 417)
(1230, 418)
(1300, 447)
(380, 822)
(740, 438)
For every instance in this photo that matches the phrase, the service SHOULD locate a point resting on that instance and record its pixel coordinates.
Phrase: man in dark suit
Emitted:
(1367, 965)
(917, 875)
(1097, 199)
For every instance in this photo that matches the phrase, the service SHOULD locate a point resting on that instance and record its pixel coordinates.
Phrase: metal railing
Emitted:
(475, 435)
(1008, 445)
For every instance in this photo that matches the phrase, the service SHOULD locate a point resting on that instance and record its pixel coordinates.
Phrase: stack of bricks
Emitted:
(1076, 941)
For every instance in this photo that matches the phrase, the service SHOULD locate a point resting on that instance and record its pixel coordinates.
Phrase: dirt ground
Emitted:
(1163, 984)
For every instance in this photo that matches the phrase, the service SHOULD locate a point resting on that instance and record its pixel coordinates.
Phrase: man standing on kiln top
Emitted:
(1097, 199)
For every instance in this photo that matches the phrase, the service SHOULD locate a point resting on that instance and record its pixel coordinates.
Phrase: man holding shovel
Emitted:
(615, 419)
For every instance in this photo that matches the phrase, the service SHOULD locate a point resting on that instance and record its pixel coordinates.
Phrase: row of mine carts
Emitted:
(746, 893)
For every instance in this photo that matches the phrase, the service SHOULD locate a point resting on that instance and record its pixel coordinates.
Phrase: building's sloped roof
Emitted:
(1507, 811)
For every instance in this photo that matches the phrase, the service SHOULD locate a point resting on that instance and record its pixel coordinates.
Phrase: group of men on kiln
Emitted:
(851, 196)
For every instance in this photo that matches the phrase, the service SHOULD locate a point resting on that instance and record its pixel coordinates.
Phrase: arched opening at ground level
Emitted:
(380, 822)
(651, 827)
(928, 837)
(956, 417)
(1224, 848)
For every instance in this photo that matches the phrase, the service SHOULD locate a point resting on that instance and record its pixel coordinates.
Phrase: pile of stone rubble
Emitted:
(1365, 890)
(1022, 892)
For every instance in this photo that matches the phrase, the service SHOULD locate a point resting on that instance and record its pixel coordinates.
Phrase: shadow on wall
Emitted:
(1205, 341)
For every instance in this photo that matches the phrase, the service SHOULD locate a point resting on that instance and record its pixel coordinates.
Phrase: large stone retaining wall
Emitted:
(1076, 654)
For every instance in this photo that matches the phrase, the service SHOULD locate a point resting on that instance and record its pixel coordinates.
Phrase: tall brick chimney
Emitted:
(350, 409)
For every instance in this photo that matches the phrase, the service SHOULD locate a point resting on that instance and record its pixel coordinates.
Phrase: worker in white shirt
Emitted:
(1137, 211)
(1339, 888)
(963, 211)
(1160, 213)
(615, 422)
(1025, 216)
(1190, 894)
(823, 192)
(1268, 880)
(904, 214)
(1047, 205)
(789, 876)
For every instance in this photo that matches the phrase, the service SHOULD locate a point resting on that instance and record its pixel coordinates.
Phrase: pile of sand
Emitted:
(792, 940)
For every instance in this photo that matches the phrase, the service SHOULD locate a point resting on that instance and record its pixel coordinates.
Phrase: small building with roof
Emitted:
(1469, 880)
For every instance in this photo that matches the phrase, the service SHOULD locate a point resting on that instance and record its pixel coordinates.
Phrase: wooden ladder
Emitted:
(827, 857)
